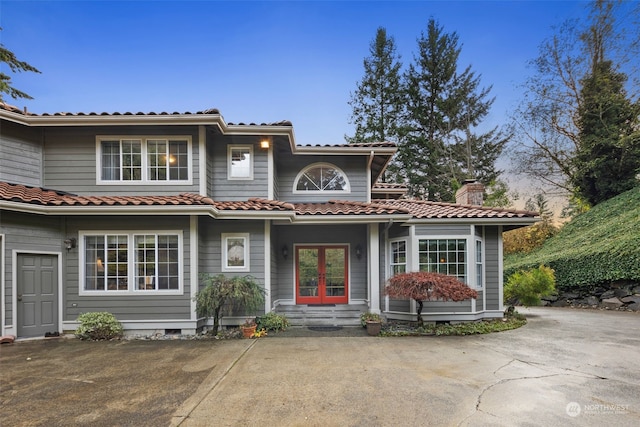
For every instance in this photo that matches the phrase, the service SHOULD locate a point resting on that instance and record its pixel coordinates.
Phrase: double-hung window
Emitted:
(235, 252)
(398, 257)
(144, 160)
(130, 262)
(479, 265)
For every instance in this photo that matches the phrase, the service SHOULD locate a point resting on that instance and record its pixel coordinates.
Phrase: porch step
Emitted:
(323, 315)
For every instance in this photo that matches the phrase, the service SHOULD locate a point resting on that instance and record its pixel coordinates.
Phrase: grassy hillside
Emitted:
(600, 246)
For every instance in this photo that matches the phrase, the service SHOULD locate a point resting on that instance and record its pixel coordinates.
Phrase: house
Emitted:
(122, 212)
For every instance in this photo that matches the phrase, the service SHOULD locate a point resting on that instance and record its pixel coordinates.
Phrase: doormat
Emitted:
(324, 328)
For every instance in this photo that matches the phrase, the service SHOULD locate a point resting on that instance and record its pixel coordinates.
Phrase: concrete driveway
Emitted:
(565, 367)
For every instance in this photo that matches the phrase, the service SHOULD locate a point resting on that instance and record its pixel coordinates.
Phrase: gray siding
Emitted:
(70, 160)
(127, 307)
(210, 248)
(492, 265)
(354, 167)
(26, 232)
(443, 230)
(446, 307)
(20, 155)
(223, 188)
(338, 234)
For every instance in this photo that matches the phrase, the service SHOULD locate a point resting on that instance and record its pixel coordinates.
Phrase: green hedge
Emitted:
(597, 247)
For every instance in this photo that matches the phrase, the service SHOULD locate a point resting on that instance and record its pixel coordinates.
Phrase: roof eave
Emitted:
(108, 210)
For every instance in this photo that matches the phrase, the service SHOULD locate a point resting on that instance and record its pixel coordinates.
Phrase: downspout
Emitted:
(369, 182)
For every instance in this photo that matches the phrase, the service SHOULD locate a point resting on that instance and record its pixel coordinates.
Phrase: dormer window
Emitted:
(323, 177)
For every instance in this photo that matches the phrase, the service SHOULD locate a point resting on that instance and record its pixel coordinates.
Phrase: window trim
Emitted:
(406, 254)
(469, 253)
(145, 159)
(300, 174)
(131, 263)
(481, 264)
(224, 237)
(230, 149)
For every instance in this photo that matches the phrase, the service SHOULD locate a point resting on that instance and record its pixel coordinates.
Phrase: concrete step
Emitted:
(322, 315)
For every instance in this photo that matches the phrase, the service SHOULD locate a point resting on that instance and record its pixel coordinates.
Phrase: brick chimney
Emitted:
(471, 193)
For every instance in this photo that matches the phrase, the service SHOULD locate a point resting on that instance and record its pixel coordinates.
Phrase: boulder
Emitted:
(634, 307)
(622, 292)
(612, 303)
(608, 294)
(631, 300)
(560, 303)
(636, 290)
(571, 295)
(592, 300)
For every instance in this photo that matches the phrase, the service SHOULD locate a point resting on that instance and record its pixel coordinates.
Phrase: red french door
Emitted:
(321, 274)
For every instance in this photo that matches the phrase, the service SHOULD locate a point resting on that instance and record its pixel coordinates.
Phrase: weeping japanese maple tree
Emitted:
(427, 286)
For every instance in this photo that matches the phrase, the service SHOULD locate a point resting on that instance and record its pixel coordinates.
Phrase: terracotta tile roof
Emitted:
(47, 197)
(254, 204)
(358, 145)
(24, 112)
(340, 207)
(417, 208)
(423, 209)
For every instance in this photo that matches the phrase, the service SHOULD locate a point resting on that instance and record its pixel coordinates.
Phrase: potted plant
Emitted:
(372, 321)
(248, 328)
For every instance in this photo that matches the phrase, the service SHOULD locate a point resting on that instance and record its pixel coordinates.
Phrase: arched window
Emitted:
(321, 177)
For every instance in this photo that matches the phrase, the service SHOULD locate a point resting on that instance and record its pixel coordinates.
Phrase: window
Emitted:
(479, 265)
(235, 252)
(398, 257)
(240, 162)
(447, 256)
(131, 262)
(150, 160)
(321, 177)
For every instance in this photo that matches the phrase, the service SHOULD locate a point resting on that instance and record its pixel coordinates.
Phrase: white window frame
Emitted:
(479, 264)
(346, 189)
(392, 264)
(469, 255)
(131, 263)
(224, 238)
(230, 150)
(144, 178)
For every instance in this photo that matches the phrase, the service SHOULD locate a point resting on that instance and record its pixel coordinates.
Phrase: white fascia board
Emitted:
(109, 210)
(261, 215)
(475, 221)
(353, 151)
(347, 219)
(115, 119)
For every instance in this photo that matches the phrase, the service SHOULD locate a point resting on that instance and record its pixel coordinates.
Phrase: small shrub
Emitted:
(98, 326)
(273, 322)
(527, 287)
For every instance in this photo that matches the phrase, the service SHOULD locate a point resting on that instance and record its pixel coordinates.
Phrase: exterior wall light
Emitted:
(70, 243)
(358, 251)
(265, 143)
(285, 252)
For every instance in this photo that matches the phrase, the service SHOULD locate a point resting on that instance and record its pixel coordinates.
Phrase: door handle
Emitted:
(19, 297)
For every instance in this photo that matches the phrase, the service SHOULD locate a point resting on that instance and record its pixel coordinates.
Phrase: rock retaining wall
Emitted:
(615, 296)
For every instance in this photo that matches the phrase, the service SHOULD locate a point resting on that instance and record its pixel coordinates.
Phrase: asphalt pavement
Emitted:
(565, 367)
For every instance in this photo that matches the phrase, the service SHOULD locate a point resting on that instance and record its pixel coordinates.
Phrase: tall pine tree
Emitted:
(607, 160)
(440, 147)
(377, 102)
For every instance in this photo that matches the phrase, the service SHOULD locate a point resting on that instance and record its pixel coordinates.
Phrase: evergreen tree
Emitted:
(377, 102)
(15, 65)
(607, 160)
(444, 106)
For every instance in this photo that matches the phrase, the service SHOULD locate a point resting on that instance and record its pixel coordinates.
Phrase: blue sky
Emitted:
(255, 61)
